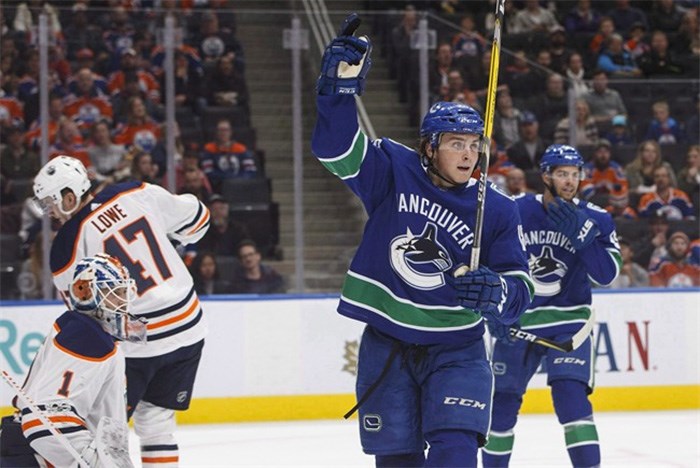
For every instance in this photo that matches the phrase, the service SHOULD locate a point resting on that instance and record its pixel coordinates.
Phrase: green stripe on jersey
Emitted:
(347, 165)
(500, 444)
(372, 295)
(547, 316)
(580, 434)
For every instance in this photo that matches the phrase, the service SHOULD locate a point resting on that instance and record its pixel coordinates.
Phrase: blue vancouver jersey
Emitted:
(401, 278)
(562, 275)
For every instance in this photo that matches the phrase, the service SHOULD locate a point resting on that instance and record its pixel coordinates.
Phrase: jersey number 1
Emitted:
(67, 379)
(130, 233)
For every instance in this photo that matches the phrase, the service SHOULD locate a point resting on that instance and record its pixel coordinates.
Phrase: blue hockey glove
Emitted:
(498, 330)
(345, 62)
(482, 290)
(573, 222)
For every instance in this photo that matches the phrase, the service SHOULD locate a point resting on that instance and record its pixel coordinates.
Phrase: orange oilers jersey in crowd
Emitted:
(138, 224)
(11, 111)
(144, 136)
(87, 110)
(76, 378)
(33, 137)
(675, 275)
(147, 83)
(611, 180)
(676, 207)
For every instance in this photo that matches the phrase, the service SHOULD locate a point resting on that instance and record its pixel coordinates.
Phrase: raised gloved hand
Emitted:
(345, 62)
(573, 222)
(482, 290)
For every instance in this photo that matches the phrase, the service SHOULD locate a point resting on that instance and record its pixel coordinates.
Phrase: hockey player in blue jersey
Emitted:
(568, 241)
(423, 374)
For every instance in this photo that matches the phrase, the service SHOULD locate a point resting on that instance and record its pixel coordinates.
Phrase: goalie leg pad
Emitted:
(155, 427)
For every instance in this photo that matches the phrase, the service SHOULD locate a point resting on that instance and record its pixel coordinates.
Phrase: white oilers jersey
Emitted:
(76, 378)
(138, 223)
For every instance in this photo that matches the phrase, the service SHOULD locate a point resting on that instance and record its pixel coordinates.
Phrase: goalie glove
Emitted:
(573, 223)
(345, 62)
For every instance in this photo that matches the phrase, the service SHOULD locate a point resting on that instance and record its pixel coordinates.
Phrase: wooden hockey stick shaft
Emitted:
(564, 346)
(44, 419)
(485, 146)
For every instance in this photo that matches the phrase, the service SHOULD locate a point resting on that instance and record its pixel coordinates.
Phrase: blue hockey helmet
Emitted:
(450, 117)
(560, 155)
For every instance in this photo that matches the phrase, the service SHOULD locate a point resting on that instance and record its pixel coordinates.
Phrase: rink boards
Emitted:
(293, 357)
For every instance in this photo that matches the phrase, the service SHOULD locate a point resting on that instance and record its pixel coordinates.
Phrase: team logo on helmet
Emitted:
(420, 260)
(547, 272)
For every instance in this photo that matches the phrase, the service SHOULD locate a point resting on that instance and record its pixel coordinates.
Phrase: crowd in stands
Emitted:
(107, 109)
(633, 68)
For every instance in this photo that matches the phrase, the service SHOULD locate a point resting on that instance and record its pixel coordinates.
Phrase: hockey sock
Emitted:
(575, 413)
(408, 460)
(501, 438)
(155, 427)
(452, 448)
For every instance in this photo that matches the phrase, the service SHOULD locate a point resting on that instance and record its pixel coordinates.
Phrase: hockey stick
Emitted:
(485, 146)
(564, 346)
(44, 419)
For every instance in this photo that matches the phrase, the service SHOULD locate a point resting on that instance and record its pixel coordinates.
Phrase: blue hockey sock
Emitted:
(500, 445)
(409, 460)
(452, 448)
(575, 413)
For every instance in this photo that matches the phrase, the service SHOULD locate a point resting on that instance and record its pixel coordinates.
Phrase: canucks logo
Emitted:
(547, 272)
(420, 260)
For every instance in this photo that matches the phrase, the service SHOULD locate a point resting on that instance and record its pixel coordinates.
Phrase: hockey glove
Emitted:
(345, 62)
(497, 330)
(482, 290)
(573, 222)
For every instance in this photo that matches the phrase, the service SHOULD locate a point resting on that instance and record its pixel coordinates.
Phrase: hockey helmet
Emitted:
(62, 172)
(102, 289)
(560, 155)
(450, 117)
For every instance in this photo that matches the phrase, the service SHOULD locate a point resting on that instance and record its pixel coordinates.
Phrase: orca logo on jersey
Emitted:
(420, 260)
(547, 271)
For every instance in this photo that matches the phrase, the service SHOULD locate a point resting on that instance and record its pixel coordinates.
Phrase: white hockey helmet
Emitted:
(102, 289)
(62, 172)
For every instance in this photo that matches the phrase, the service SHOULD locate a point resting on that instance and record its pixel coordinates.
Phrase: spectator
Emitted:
(650, 249)
(441, 69)
(190, 160)
(675, 271)
(108, 158)
(515, 182)
(671, 201)
(400, 56)
(533, 19)
(604, 103)
(253, 277)
(225, 158)
(660, 61)
(558, 50)
(624, 16)
(551, 107)
(33, 135)
(140, 130)
(636, 43)
(187, 80)
(687, 41)
(616, 61)
(689, 176)
(664, 128)
(206, 275)
(26, 21)
(505, 126)
(88, 105)
(468, 45)
(225, 86)
(606, 28)
(142, 167)
(526, 152)
(632, 275)
(576, 74)
(214, 43)
(11, 111)
(582, 18)
(665, 16)
(69, 142)
(640, 172)
(586, 132)
(82, 33)
(16, 161)
(499, 166)
(118, 38)
(129, 64)
(224, 234)
(519, 77)
(605, 177)
(194, 183)
(457, 91)
(619, 134)
(132, 89)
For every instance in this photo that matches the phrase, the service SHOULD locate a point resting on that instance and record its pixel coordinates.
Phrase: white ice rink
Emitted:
(643, 439)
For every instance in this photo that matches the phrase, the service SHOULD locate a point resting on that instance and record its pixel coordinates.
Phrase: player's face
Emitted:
(565, 180)
(69, 202)
(456, 158)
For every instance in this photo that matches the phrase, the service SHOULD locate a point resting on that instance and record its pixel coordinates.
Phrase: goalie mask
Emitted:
(102, 289)
(62, 172)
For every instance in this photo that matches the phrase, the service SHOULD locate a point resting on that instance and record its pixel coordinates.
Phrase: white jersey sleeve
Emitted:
(137, 223)
(76, 378)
